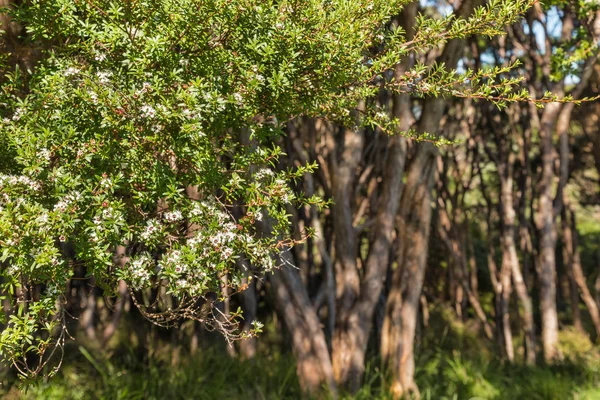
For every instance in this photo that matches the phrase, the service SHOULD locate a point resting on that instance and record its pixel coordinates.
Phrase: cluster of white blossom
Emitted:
(71, 71)
(106, 183)
(67, 202)
(147, 111)
(16, 180)
(208, 210)
(18, 114)
(93, 96)
(153, 229)
(104, 77)
(173, 262)
(104, 221)
(263, 174)
(140, 271)
(44, 154)
(238, 98)
(173, 216)
(111, 213)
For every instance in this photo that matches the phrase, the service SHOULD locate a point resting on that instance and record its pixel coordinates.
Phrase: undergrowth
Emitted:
(453, 363)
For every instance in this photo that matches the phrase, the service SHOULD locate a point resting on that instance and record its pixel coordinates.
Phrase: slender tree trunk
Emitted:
(568, 253)
(403, 301)
(573, 265)
(547, 232)
(249, 307)
(351, 337)
(319, 238)
(111, 328)
(347, 363)
(89, 312)
(313, 365)
(456, 246)
(414, 227)
(554, 116)
(511, 260)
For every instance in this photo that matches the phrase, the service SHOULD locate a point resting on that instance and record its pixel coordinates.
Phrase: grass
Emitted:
(209, 376)
(455, 365)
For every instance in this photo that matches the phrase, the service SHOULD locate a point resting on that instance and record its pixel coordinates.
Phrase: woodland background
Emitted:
(489, 245)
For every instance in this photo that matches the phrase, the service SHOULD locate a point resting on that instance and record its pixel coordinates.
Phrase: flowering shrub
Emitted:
(152, 124)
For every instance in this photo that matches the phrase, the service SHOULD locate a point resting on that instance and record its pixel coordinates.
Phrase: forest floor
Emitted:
(454, 363)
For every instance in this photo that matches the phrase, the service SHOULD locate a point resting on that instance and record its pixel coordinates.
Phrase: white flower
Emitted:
(173, 216)
(238, 97)
(257, 324)
(106, 183)
(153, 226)
(61, 206)
(71, 71)
(103, 77)
(43, 218)
(227, 252)
(264, 173)
(93, 96)
(100, 57)
(18, 114)
(139, 268)
(182, 283)
(148, 111)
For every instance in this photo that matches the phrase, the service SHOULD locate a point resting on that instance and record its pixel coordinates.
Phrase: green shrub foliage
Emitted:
(152, 124)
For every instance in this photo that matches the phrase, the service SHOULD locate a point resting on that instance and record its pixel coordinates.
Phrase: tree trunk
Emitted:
(547, 232)
(89, 312)
(573, 265)
(413, 237)
(510, 260)
(568, 253)
(309, 346)
(249, 307)
(346, 354)
(402, 307)
(456, 244)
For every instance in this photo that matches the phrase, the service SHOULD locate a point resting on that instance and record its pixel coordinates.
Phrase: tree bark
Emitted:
(456, 247)
(249, 307)
(413, 237)
(347, 366)
(573, 265)
(89, 312)
(547, 231)
(402, 307)
(510, 260)
(313, 365)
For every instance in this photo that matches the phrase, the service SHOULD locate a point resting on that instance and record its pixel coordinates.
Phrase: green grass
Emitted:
(211, 375)
(453, 363)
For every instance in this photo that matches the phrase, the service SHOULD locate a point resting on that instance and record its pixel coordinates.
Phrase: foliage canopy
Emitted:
(152, 124)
